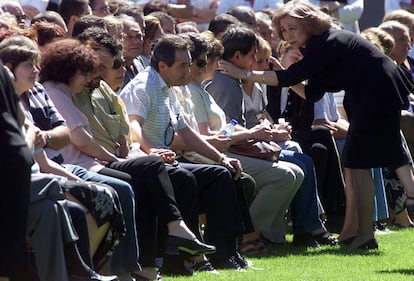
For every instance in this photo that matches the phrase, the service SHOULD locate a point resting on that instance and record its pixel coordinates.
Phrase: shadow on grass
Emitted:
(288, 249)
(400, 271)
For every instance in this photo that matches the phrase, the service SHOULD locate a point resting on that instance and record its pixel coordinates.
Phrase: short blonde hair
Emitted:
(380, 38)
(263, 47)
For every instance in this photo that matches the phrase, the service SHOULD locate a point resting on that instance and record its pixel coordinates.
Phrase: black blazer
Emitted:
(340, 60)
(298, 112)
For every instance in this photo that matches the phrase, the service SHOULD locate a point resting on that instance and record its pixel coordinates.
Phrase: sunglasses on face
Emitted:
(118, 63)
(20, 18)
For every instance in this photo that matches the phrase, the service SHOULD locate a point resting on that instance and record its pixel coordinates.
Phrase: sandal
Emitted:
(260, 246)
(326, 238)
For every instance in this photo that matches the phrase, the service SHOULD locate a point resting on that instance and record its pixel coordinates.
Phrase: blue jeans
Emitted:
(304, 206)
(125, 256)
(380, 199)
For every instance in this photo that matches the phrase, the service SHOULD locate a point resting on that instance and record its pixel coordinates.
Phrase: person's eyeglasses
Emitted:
(201, 63)
(20, 18)
(118, 63)
(169, 133)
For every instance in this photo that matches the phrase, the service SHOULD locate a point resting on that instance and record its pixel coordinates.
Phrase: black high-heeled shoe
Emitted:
(369, 245)
(192, 247)
(347, 241)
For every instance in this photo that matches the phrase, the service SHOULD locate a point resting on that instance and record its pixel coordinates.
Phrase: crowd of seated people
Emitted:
(128, 102)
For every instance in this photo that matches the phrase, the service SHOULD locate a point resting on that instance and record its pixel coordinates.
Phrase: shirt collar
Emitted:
(163, 84)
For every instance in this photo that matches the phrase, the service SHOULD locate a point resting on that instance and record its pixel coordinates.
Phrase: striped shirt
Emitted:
(149, 97)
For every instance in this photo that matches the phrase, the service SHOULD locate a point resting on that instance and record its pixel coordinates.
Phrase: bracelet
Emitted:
(48, 139)
(264, 77)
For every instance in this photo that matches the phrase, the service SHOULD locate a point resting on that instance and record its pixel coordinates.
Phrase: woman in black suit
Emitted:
(15, 170)
(336, 60)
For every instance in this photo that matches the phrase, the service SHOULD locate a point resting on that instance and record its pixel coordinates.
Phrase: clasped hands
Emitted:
(168, 156)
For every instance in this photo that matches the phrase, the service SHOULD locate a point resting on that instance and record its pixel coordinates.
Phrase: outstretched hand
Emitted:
(231, 70)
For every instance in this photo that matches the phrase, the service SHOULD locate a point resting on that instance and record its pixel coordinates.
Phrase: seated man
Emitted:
(244, 101)
(110, 128)
(155, 117)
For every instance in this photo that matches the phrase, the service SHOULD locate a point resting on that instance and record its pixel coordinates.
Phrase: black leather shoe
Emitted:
(242, 261)
(192, 247)
(347, 241)
(94, 277)
(369, 245)
(305, 240)
(227, 263)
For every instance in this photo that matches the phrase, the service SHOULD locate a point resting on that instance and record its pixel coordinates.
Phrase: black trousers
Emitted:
(219, 199)
(155, 197)
(319, 144)
(15, 173)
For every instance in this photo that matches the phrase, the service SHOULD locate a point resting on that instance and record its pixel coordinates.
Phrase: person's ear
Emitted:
(162, 66)
(237, 55)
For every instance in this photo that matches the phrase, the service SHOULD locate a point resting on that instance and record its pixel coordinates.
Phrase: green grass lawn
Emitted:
(393, 261)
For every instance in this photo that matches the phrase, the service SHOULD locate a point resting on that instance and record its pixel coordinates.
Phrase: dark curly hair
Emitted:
(61, 59)
(98, 37)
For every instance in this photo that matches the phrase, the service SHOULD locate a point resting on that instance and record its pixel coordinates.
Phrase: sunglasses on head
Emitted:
(201, 63)
(118, 63)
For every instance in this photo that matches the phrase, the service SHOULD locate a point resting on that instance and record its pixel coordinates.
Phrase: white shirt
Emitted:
(392, 5)
(349, 14)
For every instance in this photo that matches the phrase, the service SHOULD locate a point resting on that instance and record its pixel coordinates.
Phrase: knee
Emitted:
(44, 212)
(125, 193)
(76, 211)
(299, 175)
(318, 151)
(287, 179)
(224, 172)
(307, 163)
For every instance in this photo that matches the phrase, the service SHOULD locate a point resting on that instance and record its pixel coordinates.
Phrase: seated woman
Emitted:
(316, 141)
(53, 135)
(20, 54)
(147, 175)
(15, 165)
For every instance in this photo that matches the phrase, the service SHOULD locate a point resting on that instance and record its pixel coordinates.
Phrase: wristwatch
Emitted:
(248, 75)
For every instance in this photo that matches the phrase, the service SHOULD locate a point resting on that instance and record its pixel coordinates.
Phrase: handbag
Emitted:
(257, 149)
